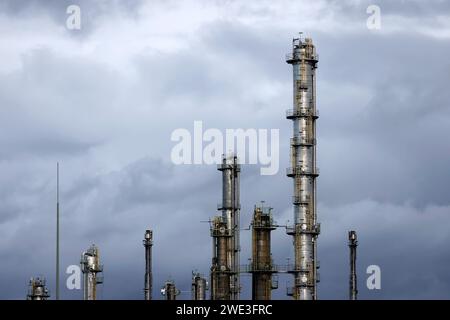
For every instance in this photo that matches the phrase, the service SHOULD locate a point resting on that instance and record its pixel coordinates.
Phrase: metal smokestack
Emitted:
(305, 229)
(148, 243)
(352, 244)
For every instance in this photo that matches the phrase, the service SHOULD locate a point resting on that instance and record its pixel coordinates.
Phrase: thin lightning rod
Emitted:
(57, 231)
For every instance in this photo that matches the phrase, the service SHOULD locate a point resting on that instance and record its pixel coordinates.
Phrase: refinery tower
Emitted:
(225, 281)
(305, 228)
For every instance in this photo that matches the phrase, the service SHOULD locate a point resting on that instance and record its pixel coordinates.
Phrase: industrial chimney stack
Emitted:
(148, 243)
(352, 244)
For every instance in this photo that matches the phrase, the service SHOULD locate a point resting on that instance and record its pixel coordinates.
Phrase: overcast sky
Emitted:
(104, 100)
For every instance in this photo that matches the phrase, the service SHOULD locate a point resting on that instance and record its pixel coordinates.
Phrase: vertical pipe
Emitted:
(303, 169)
(352, 244)
(171, 292)
(148, 243)
(236, 229)
(57, 231)
(85, 278)
(93, 286)
(214, 265)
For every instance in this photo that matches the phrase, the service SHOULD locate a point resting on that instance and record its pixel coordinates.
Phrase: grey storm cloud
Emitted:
(56, 10)
(104, 104)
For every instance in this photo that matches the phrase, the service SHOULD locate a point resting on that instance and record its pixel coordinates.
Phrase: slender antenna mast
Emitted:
(57, 231)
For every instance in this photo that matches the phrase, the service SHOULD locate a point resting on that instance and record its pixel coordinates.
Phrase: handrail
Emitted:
(302, 112)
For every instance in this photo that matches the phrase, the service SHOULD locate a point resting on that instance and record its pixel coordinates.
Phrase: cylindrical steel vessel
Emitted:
(199, 287)
(262, 266)
(226, 245)
(170, 291)
(91, 267)
(303, 169)
(220, 269)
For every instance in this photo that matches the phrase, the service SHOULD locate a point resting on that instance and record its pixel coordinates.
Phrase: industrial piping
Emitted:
(303, 169)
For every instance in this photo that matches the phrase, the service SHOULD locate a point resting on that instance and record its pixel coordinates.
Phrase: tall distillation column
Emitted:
(303, 169)
(37, 289)
(262, 265)
(90, 266)
(199, 287)
(225, 284)
(148, 243)
(352, 244)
